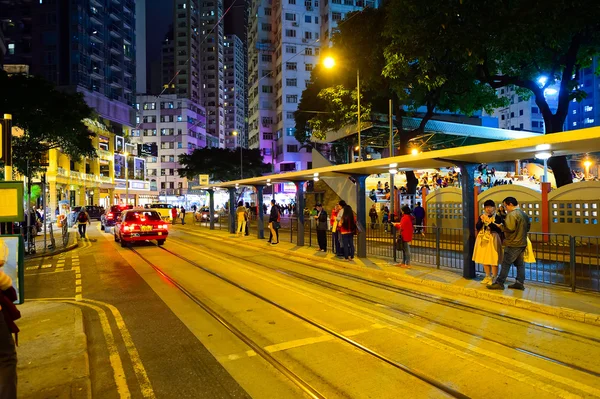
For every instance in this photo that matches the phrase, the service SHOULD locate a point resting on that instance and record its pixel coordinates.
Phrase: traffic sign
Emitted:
(204, 180)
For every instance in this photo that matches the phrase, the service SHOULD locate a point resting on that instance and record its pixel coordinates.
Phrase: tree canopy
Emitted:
(432, 56)
(49, 119)
(222, 164)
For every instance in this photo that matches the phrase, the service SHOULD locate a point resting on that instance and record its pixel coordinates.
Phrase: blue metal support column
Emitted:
(232, 209)
(467, 171)
(260, 216)
(361, 214)
(300, 211)
(211, 208)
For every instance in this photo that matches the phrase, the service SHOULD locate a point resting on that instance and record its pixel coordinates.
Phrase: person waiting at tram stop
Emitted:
(488, 244)
(515, 228)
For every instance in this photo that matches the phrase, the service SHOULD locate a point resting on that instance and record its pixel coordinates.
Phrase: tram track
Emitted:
(429, 298)
(336, 288)
(296, 379)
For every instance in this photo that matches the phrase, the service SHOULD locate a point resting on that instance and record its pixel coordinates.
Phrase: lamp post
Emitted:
(126, 155)
(329, 63)
(235, 133)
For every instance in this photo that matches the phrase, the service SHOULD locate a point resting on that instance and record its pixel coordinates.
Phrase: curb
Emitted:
(556, 311)
(52, 253)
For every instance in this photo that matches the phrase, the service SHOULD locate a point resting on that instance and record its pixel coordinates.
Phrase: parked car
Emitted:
(203, 214)
(109, 219)
(94, 212)
(164, 210)
(140, 225)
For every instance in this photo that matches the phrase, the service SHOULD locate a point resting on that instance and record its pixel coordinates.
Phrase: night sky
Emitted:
(159, 15)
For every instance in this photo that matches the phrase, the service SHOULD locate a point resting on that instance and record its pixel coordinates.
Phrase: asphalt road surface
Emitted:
(211, 318)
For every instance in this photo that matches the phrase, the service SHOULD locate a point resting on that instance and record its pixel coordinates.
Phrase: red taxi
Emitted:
(140, 225)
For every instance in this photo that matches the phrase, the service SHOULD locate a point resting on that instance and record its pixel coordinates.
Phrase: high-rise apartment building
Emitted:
(212, 68)
(192, 61)
(86, 47)
(168, 127)
(587, 112)
(522, 113)
(334, 11)
(284, 44)
(234, 92)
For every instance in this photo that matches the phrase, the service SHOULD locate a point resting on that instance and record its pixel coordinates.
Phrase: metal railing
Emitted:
(563, 260)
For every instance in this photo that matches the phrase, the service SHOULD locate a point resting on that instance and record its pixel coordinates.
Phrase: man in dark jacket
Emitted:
(516, 226)
(322, 223)
(274, 219)
(419, 214)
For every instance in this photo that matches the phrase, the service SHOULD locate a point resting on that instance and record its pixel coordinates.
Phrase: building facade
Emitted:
(523, 113)
(333, 12)
(168, 127)
(99, 181)
(84, 48)
(587, 112)
(285, 39)
(234, 92)
(212, 68)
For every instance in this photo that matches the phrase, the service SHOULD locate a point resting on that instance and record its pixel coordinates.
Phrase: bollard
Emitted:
(394, 243)
(572, 261)
(437, 246)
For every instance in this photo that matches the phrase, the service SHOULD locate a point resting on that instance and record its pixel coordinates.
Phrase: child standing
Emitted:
(405, 236)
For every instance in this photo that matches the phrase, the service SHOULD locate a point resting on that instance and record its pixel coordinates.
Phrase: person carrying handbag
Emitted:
(488, 244)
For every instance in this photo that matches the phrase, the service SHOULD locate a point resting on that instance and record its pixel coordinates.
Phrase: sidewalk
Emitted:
(552, 300)
(59, 247)
(52, 353)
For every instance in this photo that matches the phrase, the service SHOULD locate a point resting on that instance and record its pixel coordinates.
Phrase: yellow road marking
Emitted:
(78, 282)
(114, 358)
(78, 289)
(296, 343)
(138, 366)
(363, 311)
(78, 275)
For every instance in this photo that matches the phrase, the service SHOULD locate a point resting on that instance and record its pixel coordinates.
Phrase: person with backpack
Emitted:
(321, 221)
(182, 215)
(274, 223)
(83, 219)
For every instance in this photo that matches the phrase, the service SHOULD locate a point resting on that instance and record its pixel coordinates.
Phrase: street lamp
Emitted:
(544, 156)
(329, 63)
(235, 133)
(126, 155)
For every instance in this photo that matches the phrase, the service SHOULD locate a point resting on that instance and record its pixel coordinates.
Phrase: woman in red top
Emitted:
(405, 228)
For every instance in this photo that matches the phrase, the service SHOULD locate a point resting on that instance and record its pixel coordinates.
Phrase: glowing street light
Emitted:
(329, 63)
(414, 151)
(235, 133)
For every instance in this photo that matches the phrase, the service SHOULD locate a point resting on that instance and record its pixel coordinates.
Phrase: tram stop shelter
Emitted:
(466, 158)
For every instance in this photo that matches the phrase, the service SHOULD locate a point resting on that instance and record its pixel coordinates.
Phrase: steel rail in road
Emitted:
(437, 384)
(297, 380)
(361, 296)
(432, 298)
